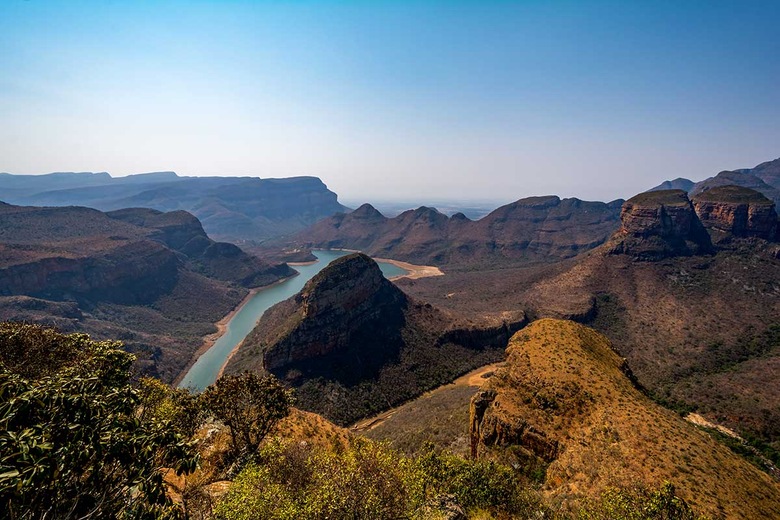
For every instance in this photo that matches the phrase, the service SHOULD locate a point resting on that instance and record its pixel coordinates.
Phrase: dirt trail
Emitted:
(474, 378)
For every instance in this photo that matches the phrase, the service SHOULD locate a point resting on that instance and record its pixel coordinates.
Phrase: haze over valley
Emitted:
(384, 260)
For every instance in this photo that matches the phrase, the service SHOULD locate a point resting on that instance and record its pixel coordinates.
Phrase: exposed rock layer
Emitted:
(659, 224)
(737, 212)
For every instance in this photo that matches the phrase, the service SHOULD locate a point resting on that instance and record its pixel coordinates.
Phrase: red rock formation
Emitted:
(659, 224)
(737, 212)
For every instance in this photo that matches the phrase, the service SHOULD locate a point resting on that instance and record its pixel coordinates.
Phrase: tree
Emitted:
(182, 410)
(72, 444)
(249, 405)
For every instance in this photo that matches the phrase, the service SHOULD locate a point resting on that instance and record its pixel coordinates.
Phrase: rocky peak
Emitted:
(679, 183)
(735, 211)
(367, 211)
(659, 224)
(344, 284)
(348, 299)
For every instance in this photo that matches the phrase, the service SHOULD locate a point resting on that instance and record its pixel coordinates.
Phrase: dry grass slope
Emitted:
(564, 380)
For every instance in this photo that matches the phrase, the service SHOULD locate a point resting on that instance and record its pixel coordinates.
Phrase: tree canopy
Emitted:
(72, 442)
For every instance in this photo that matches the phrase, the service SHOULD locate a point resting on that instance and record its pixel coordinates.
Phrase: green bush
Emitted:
(71, 442)
(639, 504)
(367, 480)
(250, 406)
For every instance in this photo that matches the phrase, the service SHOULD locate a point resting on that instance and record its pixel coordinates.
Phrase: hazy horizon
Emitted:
(394, 101)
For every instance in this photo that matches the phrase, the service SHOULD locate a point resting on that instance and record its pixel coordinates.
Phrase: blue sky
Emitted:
(394, 100)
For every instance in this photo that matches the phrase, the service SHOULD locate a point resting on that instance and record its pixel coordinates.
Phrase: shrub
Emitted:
(639, 504)
(249, 405)
(71, 442)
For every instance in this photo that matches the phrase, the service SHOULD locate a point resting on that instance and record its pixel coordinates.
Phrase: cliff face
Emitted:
(564, 401)
(735, 211)
(660, 224)
(348, 300)
(354, 344)
(154, 280)
(182, 232)
(532, 230)
(133, 273)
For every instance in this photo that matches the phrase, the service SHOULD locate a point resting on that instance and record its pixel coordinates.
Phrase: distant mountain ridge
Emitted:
(154, 280)
(764, 178)
(231, 208)
(531, 230)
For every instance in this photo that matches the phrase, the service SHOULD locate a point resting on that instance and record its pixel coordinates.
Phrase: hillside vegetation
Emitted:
(81, 439)
(353, 344)
(566, 399)
(154, 280)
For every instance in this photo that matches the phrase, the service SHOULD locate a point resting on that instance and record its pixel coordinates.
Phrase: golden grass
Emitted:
(565, 381)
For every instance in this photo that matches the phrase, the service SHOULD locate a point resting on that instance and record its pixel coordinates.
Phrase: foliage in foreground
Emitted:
(77, 440)
(639, 504)
(249, 405)
(367, 480)
(72, 444)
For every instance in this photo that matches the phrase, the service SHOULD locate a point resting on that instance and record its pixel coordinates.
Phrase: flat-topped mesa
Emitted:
(660, 224)
(735, 211)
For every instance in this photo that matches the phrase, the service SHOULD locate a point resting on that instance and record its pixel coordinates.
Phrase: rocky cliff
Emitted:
(734, 211)
(353, 343)
(348, 301)
(564, 402)
(660, 224)
(152, 279)
(531, 230)
(183, 233)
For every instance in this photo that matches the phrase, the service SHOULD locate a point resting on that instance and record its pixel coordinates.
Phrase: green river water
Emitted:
(205, 370)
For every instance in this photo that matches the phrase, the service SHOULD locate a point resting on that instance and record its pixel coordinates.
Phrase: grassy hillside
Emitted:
(565, 398)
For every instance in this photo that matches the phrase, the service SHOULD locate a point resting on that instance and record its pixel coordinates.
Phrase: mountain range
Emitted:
(686, 290)
(764, 178)
(154, 280)
(530, 230)
(236, 209)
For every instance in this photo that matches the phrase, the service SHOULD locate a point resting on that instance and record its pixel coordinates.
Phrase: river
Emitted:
(205, 370)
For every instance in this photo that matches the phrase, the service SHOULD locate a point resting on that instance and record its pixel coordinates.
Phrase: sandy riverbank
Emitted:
(414, 271)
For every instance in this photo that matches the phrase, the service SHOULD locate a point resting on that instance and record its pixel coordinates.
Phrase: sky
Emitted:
(394, 100)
